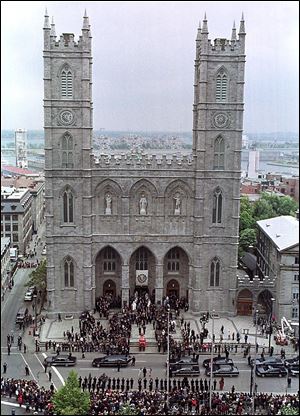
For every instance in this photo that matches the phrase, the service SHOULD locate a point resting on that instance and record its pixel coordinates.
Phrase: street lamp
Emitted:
(253, 369)
(270, 324)
(211, 358)
(168, 355)
(35, 314)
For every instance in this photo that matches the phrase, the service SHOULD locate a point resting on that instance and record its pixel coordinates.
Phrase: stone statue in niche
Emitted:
(108, 201)
(177, 199)
(143, 204)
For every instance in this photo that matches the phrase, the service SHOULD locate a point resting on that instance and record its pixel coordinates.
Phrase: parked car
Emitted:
(28, 296)
(223, 370)
(294, 370)
(112, 361)
(217, 360)
(182, 361)
(271, 371)
(187, 370)
(44, 252)
(291, 361)
(60, 360)
(267, 361)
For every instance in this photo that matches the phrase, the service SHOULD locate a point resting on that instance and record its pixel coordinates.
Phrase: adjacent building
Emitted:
(5, 263)
(21, 148)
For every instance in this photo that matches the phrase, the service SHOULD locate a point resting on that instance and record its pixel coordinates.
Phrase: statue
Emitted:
(177, 204)
(108, 204)
(143, 205)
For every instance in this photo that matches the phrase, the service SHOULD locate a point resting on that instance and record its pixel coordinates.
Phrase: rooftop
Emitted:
(283, 231)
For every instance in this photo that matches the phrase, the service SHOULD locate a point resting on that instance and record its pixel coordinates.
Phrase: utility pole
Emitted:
(211, 358)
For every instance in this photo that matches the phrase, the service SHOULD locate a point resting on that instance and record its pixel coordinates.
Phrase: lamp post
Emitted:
(270, 324)
(211, 358)
(35, 314)
(168, 355)
(253, 370)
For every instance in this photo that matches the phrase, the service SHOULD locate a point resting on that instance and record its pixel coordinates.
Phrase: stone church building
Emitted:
(120, 225)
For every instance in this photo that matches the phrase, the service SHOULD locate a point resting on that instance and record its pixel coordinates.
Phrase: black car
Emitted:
(268, 361)
(291, 361)
(60, 360)
(112, 361)
(187, 370)
(271, 371)
(217, 360)
(294, 369)
(182, 361)
(223, 370)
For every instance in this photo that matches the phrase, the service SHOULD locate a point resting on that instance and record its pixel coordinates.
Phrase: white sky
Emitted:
(143, 61)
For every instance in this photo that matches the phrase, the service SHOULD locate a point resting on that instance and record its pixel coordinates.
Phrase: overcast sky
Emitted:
(143, 61)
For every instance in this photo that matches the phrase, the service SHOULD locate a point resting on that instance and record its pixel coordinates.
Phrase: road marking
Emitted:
(12, 404)
(56, 371)
(44, 369)
(29, 368)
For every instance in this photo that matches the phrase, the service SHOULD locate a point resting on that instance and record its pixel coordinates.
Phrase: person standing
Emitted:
(26, 370)
(8, 348)
(215, 384)
(50, 375)
(144, 372)
(221, 383)
(4, 368)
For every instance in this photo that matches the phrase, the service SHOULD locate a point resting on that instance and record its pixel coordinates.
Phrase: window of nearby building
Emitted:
(141, 259)
(109, 263)
(7, 217)
(68, 205)
(296, 260)
(15, 227)
(69, 272)
(173, 260)
(66, 83)
(215, 273)
(295, 312)
(67, 151)
(217, 206)
(296, 277)
(219, 152)
(295, 293)
(15, 217)
(15, 238)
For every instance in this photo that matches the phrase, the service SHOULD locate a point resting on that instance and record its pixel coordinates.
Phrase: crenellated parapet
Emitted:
(220, 45)
(131, 161)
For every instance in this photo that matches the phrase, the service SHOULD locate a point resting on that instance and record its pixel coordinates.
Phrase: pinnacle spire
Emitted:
(46, 20)
(52, 32)
(242, 26)
(233, 33)
(86, 24)
(204, 27)
(199, 31)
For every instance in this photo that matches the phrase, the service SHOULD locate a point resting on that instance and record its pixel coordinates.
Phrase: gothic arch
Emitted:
(68, 273)
(218, 199)
(176, 264)
(105, 187)
(67, 187)
(103, 248)
(219, 145)
(142, 258)
(215, 272)
(108, 266)
(183, 191)
(143, 183)
(138, 189)
(244, 302)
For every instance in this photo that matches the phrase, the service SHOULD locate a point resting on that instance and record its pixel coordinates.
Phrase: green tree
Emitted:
(288, 410)
(38, 277)
(69, 399)
(263, 210)
(126, 409)
(247, 238)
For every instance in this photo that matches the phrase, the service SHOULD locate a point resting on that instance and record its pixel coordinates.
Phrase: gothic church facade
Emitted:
(167, 226)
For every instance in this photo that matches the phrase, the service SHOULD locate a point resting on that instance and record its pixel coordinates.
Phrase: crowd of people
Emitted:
(108, 395)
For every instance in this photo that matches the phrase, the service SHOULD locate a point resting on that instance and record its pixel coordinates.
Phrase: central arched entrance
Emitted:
(173, 288)
(142, 273)
(244, 303)
(264, 303)
(176, 274)
(108, 269)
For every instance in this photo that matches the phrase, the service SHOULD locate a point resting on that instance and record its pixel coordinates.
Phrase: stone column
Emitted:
(159, 283)
(125, 283)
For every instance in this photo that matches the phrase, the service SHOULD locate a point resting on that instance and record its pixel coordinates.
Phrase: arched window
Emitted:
(141, 259)
(214, 273)
(69, 272)
(217, 206)
(68, 206)
(109, 257)
(173, 260)
(221, 87)
(219, 153)
(67, 151)
(66, 83)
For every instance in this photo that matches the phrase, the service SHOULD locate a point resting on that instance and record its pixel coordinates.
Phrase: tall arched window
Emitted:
(221, 87)
(214, 273)
(68, 206)
(217, 206)
(67, 151)
(66, 83)
(141, 259)
(219, 153)
(69, 272)
(109, 257)
(173, 260)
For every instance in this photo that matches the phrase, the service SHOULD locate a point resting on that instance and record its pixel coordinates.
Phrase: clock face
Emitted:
(142, 278)
(66, 117)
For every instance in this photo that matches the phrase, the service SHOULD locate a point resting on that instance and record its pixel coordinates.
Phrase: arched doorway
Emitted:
(108, 270)
(173, 288)
(142, 272)
(176, 269)
(244, 302)
(109, 288)
(264, 303)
